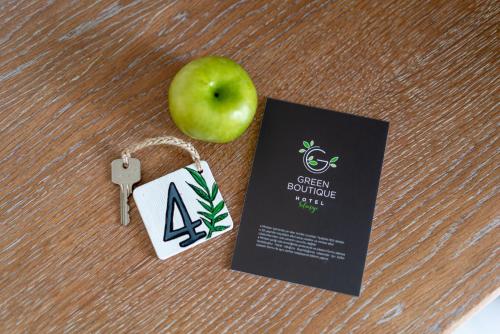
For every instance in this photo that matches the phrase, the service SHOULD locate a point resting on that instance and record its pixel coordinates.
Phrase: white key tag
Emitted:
(181, 209)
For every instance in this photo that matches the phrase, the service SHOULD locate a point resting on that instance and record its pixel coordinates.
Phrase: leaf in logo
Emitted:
(308, 146)
(333, 161)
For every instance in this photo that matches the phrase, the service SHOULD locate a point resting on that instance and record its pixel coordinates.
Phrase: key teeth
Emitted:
(127, 217)
(124, 207)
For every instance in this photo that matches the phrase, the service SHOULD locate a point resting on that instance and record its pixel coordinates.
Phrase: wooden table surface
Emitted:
(81, 80)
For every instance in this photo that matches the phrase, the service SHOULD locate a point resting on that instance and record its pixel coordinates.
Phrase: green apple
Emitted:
(212, 99)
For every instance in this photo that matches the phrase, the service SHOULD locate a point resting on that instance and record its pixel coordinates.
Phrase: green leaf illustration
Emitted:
(198, 178)
(312, 163)
(218, 208)
(200, 192)
(211, 214)
(306, 144)
(205, 205)
(215, 190)
(302, 150)
(208, 223)
(311, 157)
(311, 143)
(334, 159)
(220, 217)
(205, 214)
(333, 165)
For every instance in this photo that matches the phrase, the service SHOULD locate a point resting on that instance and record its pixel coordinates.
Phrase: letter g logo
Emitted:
(314, 158)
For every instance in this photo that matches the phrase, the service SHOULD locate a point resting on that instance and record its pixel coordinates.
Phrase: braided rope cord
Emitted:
(165, 140)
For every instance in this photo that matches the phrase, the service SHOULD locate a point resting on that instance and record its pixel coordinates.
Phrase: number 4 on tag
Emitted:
(189, 226)
(182, 209)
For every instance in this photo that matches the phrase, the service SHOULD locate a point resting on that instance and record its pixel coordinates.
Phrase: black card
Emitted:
(311, 197)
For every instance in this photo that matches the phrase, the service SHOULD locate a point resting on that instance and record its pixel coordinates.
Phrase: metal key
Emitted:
(125, 178)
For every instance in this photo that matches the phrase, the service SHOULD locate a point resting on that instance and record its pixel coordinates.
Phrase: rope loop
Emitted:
(165, 140)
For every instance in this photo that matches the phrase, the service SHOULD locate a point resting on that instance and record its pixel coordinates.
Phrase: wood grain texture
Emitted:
(79, 80)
